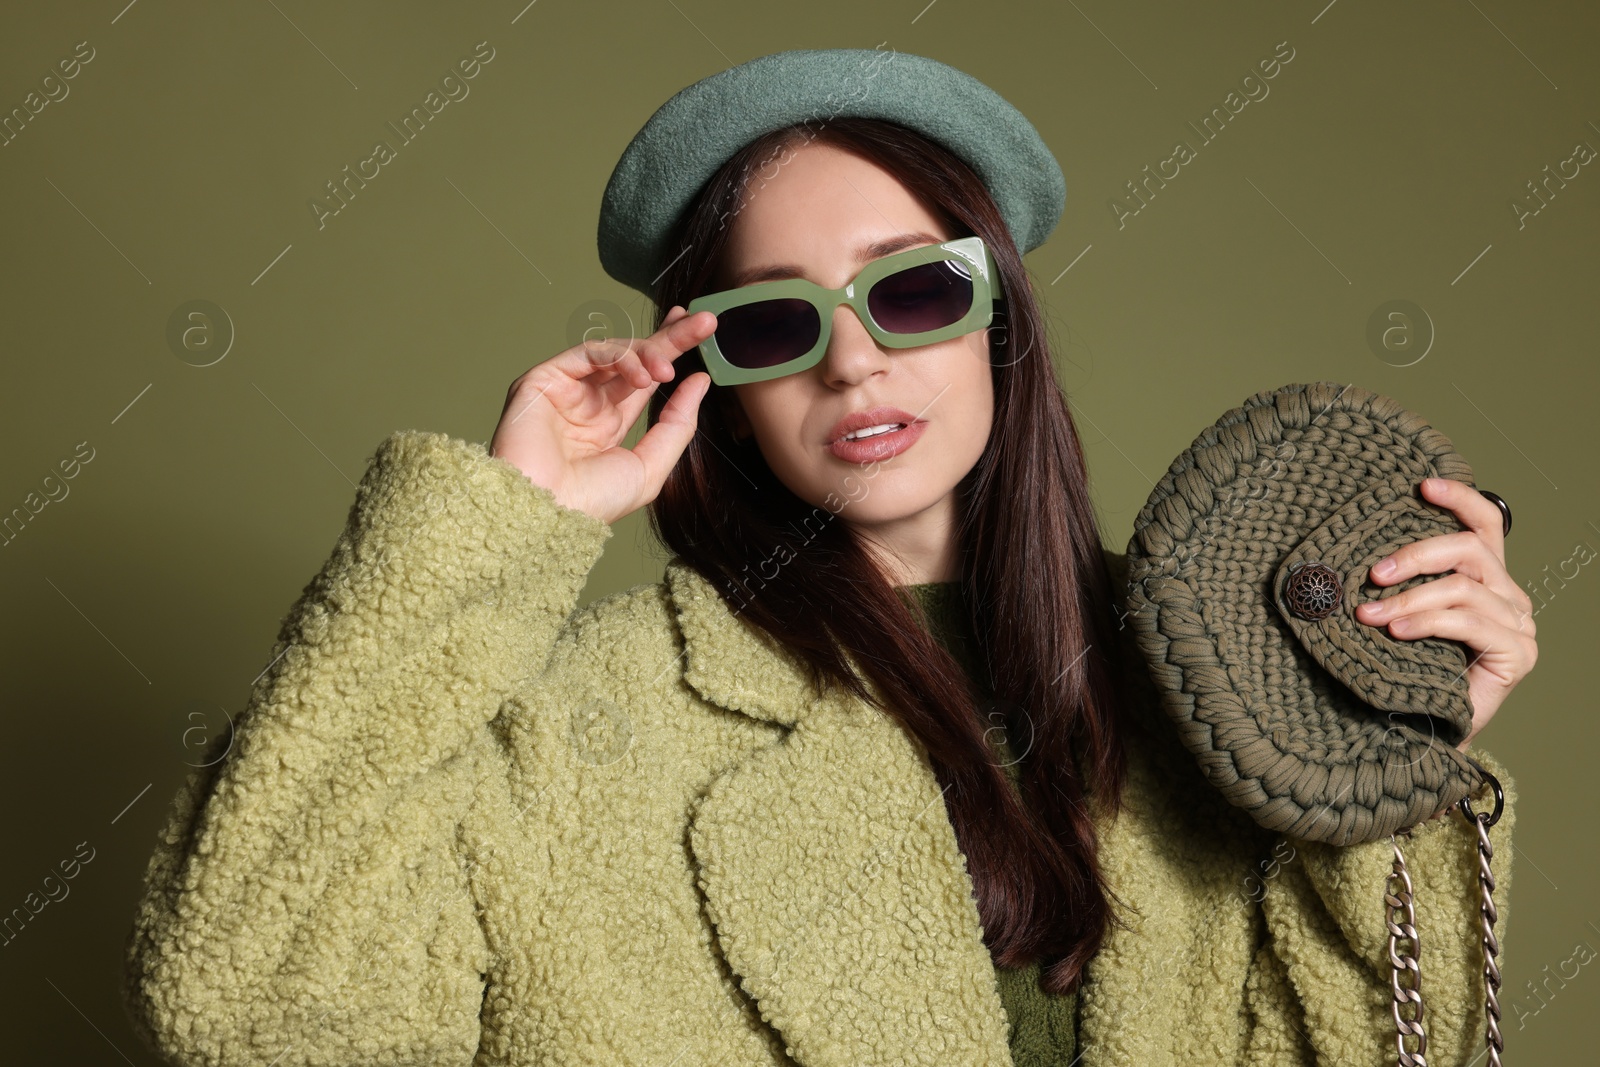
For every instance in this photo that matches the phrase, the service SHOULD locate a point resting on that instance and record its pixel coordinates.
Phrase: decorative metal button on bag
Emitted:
(1245, 569)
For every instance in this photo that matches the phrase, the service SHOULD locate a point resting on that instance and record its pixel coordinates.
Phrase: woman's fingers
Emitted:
(1477, 604)
(1452, 592)
(564, 420)
(678, 334)
(1477, 552)
(637, 361)
(1476, 511)
(613, 370)
(664, 442)
(654, 357)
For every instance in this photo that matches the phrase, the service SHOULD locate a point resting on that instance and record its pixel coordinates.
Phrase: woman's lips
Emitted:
(879, 446)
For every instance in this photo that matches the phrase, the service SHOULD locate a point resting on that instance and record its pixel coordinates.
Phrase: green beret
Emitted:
(691, 135)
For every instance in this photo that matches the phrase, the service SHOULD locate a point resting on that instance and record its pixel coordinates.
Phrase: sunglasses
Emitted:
(910, 298)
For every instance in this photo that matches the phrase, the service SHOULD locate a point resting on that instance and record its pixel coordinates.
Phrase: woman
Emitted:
(871, 776)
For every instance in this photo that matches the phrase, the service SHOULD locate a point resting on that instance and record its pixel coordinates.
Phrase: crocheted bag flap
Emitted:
(1420, 682)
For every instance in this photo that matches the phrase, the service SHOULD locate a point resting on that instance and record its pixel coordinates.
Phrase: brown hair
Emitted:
(1033, 572)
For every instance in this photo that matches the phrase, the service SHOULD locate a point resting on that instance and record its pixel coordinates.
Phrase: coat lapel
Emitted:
(830, 870)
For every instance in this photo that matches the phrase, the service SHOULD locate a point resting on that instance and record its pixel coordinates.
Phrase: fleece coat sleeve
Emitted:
(307, 902)
(1320, 992)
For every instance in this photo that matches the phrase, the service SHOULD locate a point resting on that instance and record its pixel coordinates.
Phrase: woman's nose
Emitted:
(853, 355)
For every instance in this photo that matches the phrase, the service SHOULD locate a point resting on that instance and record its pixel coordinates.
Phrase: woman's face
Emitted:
(820, 208)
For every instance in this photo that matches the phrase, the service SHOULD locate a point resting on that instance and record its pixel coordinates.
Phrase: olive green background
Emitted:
(1381, 166)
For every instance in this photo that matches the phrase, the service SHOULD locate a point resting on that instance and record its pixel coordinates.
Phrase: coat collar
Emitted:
(732, 663)
(830, 869)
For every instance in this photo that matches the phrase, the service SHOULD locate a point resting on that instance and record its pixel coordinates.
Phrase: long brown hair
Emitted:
(1031, 566)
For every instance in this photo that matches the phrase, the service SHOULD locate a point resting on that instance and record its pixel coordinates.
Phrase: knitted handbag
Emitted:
(1244, 572)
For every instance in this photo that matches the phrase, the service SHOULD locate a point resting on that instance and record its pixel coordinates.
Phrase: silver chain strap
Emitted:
(1400, 912)
(1491, 946)
(1399, 900)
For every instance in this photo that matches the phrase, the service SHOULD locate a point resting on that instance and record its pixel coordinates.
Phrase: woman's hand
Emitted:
(1478, 605)
(564, 419)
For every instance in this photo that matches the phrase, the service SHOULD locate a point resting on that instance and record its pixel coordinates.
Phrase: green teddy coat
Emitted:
(461, 822)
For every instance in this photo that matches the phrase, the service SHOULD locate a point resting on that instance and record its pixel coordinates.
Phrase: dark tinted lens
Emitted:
(921, 298)
(767, 332)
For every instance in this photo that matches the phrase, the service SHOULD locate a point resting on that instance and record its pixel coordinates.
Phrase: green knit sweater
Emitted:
(1043, 1026)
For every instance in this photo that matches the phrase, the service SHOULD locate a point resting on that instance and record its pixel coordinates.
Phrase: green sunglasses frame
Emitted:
(970, 252)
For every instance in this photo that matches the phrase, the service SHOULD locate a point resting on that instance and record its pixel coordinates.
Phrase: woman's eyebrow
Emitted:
(871, 250)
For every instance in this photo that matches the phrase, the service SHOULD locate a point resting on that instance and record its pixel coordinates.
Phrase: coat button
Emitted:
(1312, 591)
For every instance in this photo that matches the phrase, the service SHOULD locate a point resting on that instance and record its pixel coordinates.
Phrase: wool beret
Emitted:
(690, 136)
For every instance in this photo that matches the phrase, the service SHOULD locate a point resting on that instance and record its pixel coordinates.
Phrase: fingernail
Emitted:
(1385, 568)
